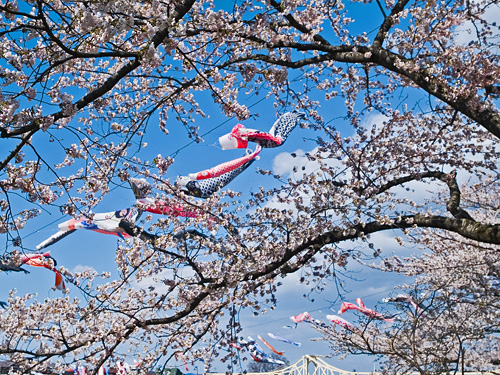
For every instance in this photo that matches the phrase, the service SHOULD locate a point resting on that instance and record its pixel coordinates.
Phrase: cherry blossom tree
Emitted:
(416, 85)
(452, 324)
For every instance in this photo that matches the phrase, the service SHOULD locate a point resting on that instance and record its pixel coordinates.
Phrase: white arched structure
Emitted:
(308, 365)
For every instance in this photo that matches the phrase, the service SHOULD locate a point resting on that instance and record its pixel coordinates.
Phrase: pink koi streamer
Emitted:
(224, 167)
(277, 135)
(159, 206)
(240, 136)
(301, 318)
(341, 322)
(363, 309)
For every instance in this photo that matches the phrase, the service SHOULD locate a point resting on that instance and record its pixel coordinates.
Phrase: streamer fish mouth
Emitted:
(181, 182)
(188, 186)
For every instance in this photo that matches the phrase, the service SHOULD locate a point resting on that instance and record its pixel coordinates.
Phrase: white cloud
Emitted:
(418, 191)
(162, 282)
(294, 164)
(468, 31)
(374, 119)
(81, 268)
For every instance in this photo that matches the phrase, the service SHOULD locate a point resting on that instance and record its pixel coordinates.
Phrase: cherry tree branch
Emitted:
(389, 22)
(453, 204)
(25, 139)
(106, 87)
(485, 115)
